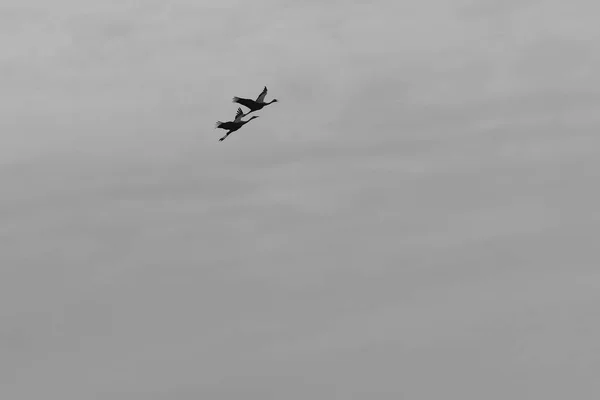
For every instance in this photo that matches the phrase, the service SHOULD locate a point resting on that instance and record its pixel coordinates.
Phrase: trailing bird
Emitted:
(254, 105)
(237, 123)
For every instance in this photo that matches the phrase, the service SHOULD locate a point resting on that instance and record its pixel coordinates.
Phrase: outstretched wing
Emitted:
(239, 114)
(251, 104)
(261, 96)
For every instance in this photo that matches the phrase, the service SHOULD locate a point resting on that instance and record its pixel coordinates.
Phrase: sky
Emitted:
(415, 218)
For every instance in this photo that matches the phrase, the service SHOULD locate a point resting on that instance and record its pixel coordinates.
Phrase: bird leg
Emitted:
(223, 138)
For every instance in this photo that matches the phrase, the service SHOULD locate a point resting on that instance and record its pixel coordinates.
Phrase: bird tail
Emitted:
(218, 124)
(235, 99)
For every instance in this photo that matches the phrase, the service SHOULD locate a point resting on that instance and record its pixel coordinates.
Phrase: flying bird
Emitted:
(254, 105)
(237, 123)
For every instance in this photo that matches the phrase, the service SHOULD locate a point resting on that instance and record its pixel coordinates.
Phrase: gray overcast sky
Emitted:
(417, 217)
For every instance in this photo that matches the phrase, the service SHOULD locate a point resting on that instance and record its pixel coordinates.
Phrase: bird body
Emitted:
(254, 105)
(232, 126)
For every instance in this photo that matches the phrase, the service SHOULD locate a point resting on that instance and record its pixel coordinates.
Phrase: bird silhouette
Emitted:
(232, 126)
(254, 105)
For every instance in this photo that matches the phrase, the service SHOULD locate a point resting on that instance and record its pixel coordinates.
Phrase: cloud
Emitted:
(416, 208)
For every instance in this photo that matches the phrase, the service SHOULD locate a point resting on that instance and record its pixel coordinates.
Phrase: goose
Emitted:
(254, 105)
(237, 123)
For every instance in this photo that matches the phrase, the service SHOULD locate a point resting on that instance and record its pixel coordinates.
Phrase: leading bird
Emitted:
(254, 105)
(237, 123)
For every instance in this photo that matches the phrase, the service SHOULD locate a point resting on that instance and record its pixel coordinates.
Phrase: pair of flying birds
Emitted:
(253, 105)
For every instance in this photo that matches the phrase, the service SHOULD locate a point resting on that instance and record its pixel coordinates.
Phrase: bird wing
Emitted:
(239, 114)
(245, 102)
(261, 96)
